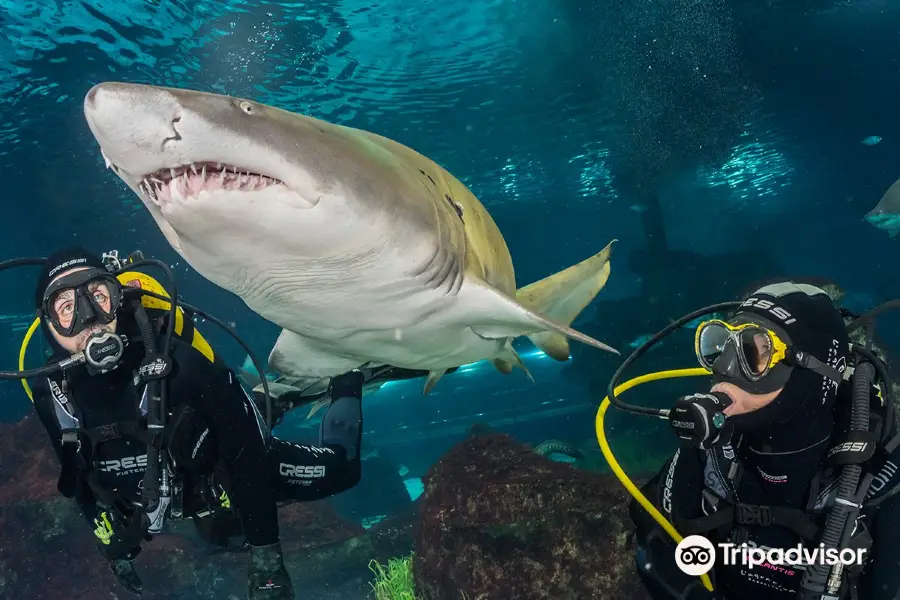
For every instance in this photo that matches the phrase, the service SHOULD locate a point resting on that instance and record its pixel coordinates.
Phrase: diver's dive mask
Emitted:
(78, 300)
(753, 353)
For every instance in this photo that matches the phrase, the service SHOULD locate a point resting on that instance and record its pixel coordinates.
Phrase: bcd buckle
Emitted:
(70, 436)
(749, 514)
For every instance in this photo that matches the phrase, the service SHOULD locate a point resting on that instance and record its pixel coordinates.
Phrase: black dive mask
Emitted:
(79, 300)
(755, 355)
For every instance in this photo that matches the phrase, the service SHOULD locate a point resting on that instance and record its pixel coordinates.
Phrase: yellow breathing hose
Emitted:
(614, 464)
(22, 349)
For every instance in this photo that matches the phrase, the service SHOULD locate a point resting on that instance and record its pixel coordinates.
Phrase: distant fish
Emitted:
(886, 214)
(692, 324)
(871, 140)
(639, 341)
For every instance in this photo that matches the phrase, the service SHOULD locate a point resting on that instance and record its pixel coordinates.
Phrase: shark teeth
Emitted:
(190, 180)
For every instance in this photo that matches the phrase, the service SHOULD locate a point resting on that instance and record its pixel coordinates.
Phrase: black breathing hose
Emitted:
(155, 415)
(869, 316)
(230, 331)
(613, 383)
(30, 261)
(154, 482)
(38, 372)
(173, 291)
(816, 578)
(884, 376)
(33, 261)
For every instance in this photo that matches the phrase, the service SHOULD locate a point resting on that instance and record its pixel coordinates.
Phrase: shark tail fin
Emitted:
(562, 296)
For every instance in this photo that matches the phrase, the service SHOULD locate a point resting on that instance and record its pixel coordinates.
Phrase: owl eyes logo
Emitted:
(695, 555)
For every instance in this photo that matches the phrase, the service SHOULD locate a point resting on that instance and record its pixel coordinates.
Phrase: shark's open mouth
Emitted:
(190, 180)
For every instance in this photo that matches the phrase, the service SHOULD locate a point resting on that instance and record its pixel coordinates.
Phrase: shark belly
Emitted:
(420, 330)
(355, 310)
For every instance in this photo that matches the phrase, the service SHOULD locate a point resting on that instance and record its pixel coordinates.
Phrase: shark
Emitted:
(362, 250)
(886, 214)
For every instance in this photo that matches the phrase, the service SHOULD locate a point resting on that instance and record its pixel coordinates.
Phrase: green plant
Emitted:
(393, 581)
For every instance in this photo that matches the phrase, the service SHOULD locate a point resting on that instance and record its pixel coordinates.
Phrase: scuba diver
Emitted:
(227, 472)
(770, 457)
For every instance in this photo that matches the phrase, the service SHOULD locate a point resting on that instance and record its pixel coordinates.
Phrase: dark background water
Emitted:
(734, 127)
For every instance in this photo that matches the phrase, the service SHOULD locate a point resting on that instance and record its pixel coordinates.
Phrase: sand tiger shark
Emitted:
(886, 214)
(362, 250)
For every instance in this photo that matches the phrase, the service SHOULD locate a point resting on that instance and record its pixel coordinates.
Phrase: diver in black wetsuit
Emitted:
(231, 473)
(770, 477)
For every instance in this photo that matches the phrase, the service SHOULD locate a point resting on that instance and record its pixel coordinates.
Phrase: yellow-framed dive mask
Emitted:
(751, 347)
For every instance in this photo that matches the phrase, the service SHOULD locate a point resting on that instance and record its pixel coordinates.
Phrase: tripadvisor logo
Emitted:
(695, 555)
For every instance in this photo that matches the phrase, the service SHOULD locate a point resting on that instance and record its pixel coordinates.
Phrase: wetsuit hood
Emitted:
(62, 260)
(802, 413)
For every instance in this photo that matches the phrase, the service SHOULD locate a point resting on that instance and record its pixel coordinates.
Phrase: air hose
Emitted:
(51, 369)
(156, 492)
(819, 575)
(156, 485)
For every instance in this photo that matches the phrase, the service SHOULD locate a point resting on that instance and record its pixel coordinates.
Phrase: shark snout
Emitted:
(135, 125)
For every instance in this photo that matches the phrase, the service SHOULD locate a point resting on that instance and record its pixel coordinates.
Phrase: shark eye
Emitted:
(246, 107)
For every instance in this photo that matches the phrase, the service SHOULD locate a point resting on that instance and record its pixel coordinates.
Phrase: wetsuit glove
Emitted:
(699, 419)
(120, 542)
(120, 536)
(267, 579)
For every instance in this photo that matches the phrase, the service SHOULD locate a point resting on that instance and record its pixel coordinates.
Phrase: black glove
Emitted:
(120, 542)
(121, 536)
(699, 419)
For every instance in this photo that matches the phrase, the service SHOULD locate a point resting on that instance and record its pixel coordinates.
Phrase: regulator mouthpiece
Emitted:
(699, 419)
(103, 351)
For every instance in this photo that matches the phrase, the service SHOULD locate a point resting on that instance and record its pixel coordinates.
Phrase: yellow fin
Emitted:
(502, 366)
(508, 359)
(317, 406)
(562, 296)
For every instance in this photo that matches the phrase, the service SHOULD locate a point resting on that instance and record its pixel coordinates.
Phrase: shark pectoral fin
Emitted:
(276, 390)
(433, 378)
(297, 356)
(893, 233)
(493, 315)
(562, 296)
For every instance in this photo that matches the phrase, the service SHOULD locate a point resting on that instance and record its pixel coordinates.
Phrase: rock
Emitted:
(314, 524)
(393, 536)
(29, 467)
(500, 521)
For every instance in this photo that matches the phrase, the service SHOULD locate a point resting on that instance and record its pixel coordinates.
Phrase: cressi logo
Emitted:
(302, 471)
(772, 308)
(124, 466)
(68, 263)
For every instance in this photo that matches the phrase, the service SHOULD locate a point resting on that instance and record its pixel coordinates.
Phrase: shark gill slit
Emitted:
(428, 266)
(444, 271)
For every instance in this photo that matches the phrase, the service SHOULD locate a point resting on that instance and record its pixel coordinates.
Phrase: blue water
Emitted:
(744, 119)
